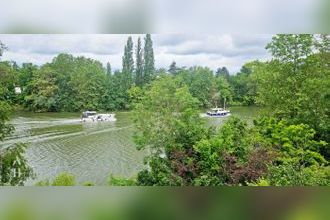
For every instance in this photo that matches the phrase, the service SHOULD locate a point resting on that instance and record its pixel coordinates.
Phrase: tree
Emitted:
(26, 73)
(168, 124)
(64, 66)
(139, 78)
(223, 72)
(243, 85)
(229, 158)
(291, 48)
(200, 84)
(44, 95)
(149, 60)
(2, 48)
(173, 69)
(9, 79)
(298, 159)
(14, 169)
(221, 92)
(5, 129)
(109, 72)
(295, 83)
(128, 63)
(88, 84)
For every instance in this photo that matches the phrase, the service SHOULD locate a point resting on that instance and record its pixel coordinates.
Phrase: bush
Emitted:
(119, 181)
(290, 175)
(64, 179)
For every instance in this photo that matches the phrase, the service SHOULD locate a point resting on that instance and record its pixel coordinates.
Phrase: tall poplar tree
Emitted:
(128, 63)
(109, 69)
(2, 48)
(139, 81)
(149, 60)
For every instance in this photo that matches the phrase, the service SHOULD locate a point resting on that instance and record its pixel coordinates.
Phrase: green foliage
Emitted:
(81, 79)
(168, 125)
(243, 84)
(5, 129)
(295, 83)
(229, 156)
(85, 81)
(119, 181)
(222, 93)
(148, 59)
(162, 114)
(14, 169)
(43, 183)
(223, 72)
(2, 48)
(295, 143)
(109, 71)
(135, 95)
(64, 179)
(299, 161)
(139, 80)
(199, 81)
(8, 80)
(44, 91)
(290, 175)
(128, 64)
(291, 47)
(173, 69)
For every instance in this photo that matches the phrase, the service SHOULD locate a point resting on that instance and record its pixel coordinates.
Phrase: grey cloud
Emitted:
(54, 44)
(236, 46)
(187, 49)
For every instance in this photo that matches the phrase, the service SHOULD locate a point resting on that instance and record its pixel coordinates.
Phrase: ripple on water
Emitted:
(90, 151)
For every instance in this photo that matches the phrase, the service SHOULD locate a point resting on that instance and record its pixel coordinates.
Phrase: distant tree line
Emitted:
(71, 83)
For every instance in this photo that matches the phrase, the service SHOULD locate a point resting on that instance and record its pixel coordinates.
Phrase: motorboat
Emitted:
(93, 116)
(218, 112)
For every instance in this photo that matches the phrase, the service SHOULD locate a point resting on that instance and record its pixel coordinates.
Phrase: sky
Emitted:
(213, 50)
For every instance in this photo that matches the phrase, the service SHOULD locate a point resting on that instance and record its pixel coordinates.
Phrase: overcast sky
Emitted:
(213, 51)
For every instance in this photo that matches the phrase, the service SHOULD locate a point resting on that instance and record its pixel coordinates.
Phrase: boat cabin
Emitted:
(218, 112)
(88, 114)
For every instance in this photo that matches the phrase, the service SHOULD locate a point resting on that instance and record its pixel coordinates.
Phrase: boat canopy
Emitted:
(217, 109)
(89, 113)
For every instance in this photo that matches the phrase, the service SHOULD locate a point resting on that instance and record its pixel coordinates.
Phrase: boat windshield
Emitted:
(88, 113)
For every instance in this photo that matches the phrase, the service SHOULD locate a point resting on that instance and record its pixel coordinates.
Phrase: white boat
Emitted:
(218, 112)
(93, 116)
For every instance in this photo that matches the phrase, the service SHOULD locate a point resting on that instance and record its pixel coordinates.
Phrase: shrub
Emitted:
(119, 181)
(64, 179)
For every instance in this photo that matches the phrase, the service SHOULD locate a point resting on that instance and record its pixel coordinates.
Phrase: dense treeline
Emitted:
(71, 83)
(287, 145)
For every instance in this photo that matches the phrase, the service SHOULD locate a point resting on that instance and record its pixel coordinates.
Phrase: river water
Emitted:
(59, 142)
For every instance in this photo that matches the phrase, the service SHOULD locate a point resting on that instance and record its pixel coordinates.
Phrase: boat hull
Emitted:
(217, 115)
(100, 118)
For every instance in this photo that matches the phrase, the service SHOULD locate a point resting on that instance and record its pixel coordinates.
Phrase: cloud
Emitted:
(213, 51)
(224, 45)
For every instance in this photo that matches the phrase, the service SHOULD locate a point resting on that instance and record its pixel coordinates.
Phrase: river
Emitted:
(59, 142)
